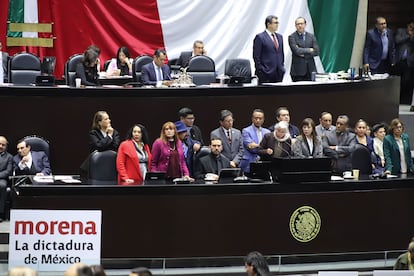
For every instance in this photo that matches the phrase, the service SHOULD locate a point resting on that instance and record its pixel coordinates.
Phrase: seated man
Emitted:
(6, 169)
(27, 162)
(339, 145)
(231, 138)
(212, 163)
(157, 73)
(198, 50)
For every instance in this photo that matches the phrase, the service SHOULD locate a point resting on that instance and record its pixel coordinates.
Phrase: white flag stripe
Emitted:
(30, 15)
(227, 27)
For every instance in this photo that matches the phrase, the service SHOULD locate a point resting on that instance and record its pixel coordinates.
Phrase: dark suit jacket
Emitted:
(40, 161)
(184, 58)
(341, 156)
(195, 134)
(373, 49)
(208, 164)
(233, 151)
(5, 58)
(100, 143)
(268, 60)
(302, 57)
(6, 165)
(149, 76)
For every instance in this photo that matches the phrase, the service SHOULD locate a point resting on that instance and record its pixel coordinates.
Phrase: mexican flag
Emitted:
(227, 27)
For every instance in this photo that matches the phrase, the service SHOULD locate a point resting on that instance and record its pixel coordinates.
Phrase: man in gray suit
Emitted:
(231, 137)
(325, 125)
(339, 145)
(304, 47)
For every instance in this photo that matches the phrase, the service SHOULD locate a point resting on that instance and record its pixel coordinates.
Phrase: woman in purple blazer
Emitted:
(167, 154)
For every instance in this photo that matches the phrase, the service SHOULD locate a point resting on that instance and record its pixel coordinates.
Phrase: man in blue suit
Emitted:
(379, 49)
(252, 136)
(27, 162)
(157, 73)
(268, 52)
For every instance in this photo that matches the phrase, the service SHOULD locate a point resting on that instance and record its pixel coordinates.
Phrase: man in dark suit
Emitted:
(339, 145)
(186, 116)
(6, 169)
(283, 114)
(231, 138)
(198, 50)
(304, 47)
(157, 73)
(213, 162)
(379, 49)
(4, 61)
(268, 52)
(190, 146)
(27, 162)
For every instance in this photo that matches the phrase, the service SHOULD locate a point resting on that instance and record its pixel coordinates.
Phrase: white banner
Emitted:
(52, 240)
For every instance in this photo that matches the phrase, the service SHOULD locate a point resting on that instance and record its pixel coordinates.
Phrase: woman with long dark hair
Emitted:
(256, 265)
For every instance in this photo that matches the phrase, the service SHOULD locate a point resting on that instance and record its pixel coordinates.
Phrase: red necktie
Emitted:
(275, 41)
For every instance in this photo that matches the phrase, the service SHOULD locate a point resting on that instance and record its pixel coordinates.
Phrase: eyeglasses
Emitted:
(382, 23)
(190, 118)
(276, 22)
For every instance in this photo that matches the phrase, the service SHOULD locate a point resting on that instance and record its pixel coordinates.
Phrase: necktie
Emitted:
(259, 135)
(159, 75)
(275, 41)
(228, 136)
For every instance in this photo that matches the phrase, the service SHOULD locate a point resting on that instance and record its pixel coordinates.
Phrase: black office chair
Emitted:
(238, 68)
(106, 64)
(137, 66)
(70, 68)
(102, 168)
(202, 70)
(203, 151)
(24, 68)
(361, 159)
(38, 143)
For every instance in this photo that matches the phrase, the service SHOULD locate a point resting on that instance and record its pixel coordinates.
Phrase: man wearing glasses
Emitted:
(268, 53)
(198, 50)
(304, 47)
(379, 49)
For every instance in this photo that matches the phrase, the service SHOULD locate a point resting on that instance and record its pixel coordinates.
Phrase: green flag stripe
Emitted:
(16, 15)
(334, 22)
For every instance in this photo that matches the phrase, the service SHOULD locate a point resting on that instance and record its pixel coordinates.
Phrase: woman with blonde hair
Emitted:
(167, 154)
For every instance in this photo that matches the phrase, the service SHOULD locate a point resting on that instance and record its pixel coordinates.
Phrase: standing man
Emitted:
(379, 49)
(231, 138)
(198, 50)
(4, 58)
(157, 73)
(190, 146)
(282, 114)
(339, 145)
(268, 52)
(252, 136)
(304, 47)
(6, 169)
(186, 116)
(325, 125)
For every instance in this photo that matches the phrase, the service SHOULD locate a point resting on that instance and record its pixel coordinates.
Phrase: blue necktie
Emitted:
(159, 76)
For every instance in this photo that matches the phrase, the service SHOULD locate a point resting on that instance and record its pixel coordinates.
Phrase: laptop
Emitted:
(45, 81)
(228, 175)
(154, 178)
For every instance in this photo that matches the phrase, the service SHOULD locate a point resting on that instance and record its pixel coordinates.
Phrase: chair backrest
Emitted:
(361, 159)
(24, 68)
(70, 68)
(38, 143)
(102, 168)
(202, 70)
(137, 66)
(106, 64)
(238, 68)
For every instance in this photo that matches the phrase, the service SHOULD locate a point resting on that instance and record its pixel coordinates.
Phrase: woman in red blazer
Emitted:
(134, 157)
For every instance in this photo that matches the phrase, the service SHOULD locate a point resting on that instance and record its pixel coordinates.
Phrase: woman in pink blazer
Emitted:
(134, 157)
(168, 155)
